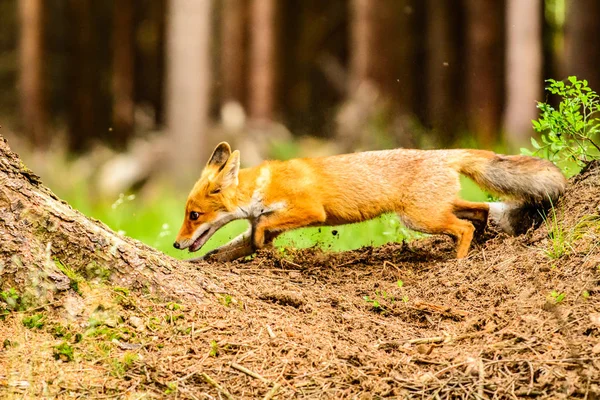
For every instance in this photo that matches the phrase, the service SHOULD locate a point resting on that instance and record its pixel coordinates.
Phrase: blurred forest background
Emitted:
(105, 97)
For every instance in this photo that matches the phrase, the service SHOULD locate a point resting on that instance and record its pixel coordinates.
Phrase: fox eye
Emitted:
(215, 191)
(194, 215)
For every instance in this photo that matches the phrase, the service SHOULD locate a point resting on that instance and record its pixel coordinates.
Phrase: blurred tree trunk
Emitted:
(233, 50)
(263, 61)
(123, 104)
(188, 85)
(84, 78)
(523, 69)
(485, 68)
(32, 88)
(383, 48)
(383, 57)
(149, 63)
(443, 100)
(582, 41)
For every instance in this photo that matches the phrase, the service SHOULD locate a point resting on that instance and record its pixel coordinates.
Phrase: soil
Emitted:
(519, 318)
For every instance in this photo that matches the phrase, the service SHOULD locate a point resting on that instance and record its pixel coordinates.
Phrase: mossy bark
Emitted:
(43, 241)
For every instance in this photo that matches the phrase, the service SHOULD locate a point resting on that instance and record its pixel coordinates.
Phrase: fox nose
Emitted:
(176, 245)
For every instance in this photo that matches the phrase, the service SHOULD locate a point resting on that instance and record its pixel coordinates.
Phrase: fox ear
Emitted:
(228, 176)
(220, 155)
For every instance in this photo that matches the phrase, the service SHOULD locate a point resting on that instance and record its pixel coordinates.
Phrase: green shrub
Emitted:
(569, 133)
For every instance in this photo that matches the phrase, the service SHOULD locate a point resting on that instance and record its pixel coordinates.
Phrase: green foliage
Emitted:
(34, 321)
(63, 352)
(570, 132)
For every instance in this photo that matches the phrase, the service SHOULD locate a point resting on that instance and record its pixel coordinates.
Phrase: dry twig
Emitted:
(217, 386)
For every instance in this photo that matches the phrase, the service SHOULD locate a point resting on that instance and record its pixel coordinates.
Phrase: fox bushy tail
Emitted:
(529, 179)
(532, 185)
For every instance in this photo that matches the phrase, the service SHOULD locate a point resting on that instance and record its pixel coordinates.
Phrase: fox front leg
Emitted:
(240, 246)
(268, 227)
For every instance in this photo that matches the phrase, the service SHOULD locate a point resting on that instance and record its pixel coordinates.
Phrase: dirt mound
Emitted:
(520, 317)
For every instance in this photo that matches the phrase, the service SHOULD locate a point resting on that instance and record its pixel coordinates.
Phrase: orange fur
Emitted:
(421, 186)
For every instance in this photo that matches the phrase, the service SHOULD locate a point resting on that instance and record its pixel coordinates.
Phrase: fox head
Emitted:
(210, 204)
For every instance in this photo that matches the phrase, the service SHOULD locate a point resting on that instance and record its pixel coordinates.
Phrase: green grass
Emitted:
(156, 220)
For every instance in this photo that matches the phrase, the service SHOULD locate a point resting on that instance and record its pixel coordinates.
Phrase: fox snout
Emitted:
(176, 245)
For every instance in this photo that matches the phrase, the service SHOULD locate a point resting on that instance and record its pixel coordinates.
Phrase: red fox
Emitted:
(421, 186)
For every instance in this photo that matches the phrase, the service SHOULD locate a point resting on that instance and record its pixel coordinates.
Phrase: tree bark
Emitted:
(32, 88)
(485, 77)
(123, 104)
(582, 46)
(188, 85)
(38, 230)
(523, 69)
(263, 63)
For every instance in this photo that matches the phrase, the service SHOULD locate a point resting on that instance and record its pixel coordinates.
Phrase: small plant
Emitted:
(174, 306)
(12, 299)
(557, 297)
(74, 277)
(171, 388)
(400, 283)
(585, 294)
(35, 321)
(214, 349)
(120, 367)
(63, 352)
(376, 305)
(96, 271)
(121, 290)
(226, 300)
(571, 131)
(559, 237)
(378, 302)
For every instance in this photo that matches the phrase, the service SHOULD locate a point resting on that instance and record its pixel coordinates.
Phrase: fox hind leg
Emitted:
(436, 221)
(477, 213)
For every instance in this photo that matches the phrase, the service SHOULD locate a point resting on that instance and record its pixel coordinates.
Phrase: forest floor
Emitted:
(520, 317)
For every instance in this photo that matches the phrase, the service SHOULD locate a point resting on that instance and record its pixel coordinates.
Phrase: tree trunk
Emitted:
(84, 89)
(233, 50)
(383, 62)
(383, 48)
(442, 79)
(485, 22)
(38, 231)
(582, 44)
(32, 93)
(263, 63)
(188, 85)
(123, 104)
(523, 69)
